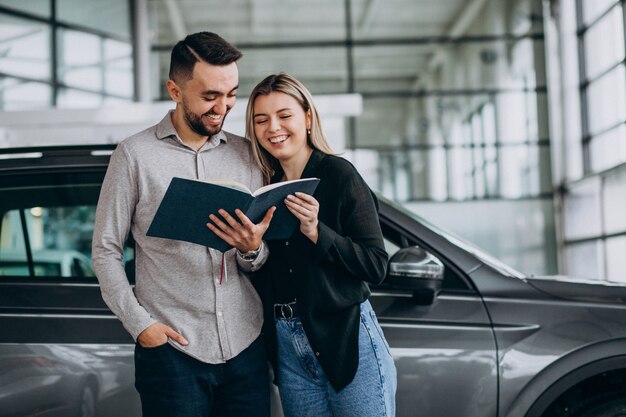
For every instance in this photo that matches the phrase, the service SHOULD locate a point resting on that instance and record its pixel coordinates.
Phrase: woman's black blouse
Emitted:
(329, 279)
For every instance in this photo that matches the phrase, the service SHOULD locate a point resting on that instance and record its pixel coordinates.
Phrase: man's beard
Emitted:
(195, 122)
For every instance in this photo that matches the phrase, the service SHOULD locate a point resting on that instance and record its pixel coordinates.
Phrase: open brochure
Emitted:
(186, 205)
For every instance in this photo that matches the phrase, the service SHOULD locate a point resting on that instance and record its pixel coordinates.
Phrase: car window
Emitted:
(59, 239)
(46, 230)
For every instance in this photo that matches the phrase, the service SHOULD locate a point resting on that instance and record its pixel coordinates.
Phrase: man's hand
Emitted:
(157, 335)
(245, 236)
(305, 208)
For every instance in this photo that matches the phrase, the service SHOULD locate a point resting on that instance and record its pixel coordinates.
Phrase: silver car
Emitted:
(471, 337)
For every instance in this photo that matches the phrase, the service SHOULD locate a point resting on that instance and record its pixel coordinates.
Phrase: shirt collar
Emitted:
(165, 129)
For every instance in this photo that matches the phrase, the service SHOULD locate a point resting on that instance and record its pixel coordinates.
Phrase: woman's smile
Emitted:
(278, 139)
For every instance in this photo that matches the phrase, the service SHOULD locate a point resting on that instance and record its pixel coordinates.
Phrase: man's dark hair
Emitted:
(202, 46)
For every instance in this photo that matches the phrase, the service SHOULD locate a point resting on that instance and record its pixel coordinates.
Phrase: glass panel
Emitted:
(322, 70)
(523, 170)
(12, 249)
(60, 246)
(160, 63)
(113, 16)
(491, 176)
(24, 48)
(518, 119)
(459, 166)
(244, 21)
(59, 219)
(608, 149)
(607, 100)
(582, 210)
(118, 68)
(437, 181)
(615, 259)
(478, 160)
(489, 123)
(585, 260)
(19, 95)
(604, 43)
(615, 202)
(81, 60)
(36, 7)
(402, 175)
(592, 9)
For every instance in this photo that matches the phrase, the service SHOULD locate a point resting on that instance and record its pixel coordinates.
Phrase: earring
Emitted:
(308, 131)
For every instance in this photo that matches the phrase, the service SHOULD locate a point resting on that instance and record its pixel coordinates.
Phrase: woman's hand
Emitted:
(305, 208)
(245, 236)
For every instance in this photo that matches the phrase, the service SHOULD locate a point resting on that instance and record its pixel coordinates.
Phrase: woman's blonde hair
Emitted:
(284, 83)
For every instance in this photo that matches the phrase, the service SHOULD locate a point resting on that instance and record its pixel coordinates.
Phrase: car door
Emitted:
(62, 352)
(445, 353)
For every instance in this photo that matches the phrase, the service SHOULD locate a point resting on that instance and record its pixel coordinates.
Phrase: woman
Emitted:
(328, 351)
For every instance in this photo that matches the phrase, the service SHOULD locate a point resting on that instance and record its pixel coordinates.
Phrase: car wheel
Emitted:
(88, 403)
(611, 408)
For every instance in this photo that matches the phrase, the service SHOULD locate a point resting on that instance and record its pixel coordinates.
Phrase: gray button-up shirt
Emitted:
(177, 283)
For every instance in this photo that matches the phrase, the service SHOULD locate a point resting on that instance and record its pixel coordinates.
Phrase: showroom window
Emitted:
(593, 224)
(603, 84)
(65, 53)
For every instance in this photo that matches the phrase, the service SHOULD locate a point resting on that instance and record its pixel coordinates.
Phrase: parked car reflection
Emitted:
(66, 380)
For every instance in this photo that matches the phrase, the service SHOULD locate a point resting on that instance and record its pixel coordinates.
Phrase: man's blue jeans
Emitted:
(305, 390)
(173, 384)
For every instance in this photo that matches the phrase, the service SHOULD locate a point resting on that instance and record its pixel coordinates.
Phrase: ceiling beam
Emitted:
(465, 19)
(369, 13)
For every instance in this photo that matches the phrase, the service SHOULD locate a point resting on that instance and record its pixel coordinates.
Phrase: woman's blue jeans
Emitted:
(306, 392)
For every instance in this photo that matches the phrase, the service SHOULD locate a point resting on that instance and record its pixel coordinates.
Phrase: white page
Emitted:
(278, 184)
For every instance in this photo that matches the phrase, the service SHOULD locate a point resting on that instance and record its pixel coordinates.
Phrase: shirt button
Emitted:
(290, 271)
(317, 353)
(219, 313)
(287, 243)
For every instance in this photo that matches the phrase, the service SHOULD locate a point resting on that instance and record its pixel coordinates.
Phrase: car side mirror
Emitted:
(416, 269)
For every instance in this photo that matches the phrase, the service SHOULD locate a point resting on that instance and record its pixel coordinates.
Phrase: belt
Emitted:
(285, 311)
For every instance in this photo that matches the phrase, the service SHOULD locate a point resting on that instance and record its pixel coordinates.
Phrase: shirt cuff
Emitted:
(251, 265)
(137, 326)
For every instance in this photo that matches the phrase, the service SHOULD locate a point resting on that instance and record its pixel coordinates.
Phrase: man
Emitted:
(195, 317)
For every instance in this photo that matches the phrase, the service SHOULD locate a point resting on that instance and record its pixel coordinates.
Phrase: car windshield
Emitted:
(458, 241)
